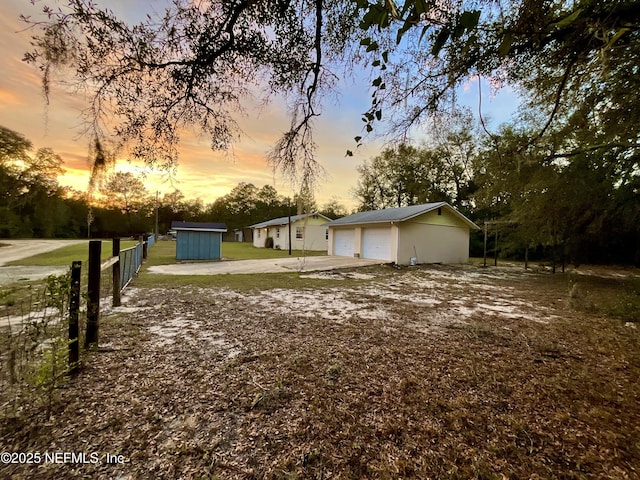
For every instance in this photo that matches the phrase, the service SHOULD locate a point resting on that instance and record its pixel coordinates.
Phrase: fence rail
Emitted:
(124, 265)
(130, 262)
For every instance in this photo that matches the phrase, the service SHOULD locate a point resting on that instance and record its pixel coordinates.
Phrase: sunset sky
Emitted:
(202, 173)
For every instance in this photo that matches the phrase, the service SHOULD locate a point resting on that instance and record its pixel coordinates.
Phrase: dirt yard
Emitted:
(426, 372)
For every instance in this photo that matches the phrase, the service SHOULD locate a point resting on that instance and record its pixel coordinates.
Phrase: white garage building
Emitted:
(430, 233)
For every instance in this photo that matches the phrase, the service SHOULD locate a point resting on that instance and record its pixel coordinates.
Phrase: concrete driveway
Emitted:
(265, 265)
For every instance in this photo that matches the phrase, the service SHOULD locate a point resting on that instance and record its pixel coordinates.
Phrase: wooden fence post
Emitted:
(93, 294)
(115, 251)
(74, 307)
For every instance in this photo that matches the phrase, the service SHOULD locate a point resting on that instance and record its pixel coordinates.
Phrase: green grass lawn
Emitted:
(164, 252)
(246, 251)
(161, 253)
(65, 255)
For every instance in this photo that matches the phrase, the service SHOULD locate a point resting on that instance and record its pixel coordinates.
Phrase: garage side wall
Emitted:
(431, 242)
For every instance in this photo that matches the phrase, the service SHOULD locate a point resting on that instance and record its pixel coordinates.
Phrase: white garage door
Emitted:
(343, 242)
(376, 243)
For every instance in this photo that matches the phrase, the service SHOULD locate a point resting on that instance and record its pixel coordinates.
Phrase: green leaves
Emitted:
(567, 20)
(376, 15)
(441, 39)
(505, 45)
(469, 19)
(371, 45)
(415, 13)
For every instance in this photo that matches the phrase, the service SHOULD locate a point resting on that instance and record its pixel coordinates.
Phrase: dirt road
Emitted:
(12, 250)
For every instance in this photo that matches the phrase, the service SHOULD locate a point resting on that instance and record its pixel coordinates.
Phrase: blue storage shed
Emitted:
(198, 240)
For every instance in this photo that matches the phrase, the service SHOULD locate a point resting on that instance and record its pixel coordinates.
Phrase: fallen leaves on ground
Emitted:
(430, 372)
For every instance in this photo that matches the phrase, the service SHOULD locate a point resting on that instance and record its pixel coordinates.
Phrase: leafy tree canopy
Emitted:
(13, 146)
(125, 191)
(555, 51)
(192, 65)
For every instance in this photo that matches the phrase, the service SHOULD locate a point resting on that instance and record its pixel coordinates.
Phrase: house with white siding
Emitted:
(307, 232)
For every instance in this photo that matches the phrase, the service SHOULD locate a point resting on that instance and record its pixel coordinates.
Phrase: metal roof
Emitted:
(199, 226)
(397, 215)
(285, 220)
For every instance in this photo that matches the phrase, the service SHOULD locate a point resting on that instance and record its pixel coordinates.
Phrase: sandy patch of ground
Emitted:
(438, 372)
(263, 265)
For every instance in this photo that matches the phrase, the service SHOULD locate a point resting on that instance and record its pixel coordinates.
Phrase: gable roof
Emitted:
(401, 214)
(285, 220)
(199, 226)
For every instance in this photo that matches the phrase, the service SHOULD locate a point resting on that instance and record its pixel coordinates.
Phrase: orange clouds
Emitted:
(9, 98)
(201, 172)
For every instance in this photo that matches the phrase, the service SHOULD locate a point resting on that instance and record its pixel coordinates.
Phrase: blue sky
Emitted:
(201, 173)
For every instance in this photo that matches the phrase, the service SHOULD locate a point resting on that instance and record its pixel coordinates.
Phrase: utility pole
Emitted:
(289, 224)
(485, 244)
(156, 232)
(89, 222)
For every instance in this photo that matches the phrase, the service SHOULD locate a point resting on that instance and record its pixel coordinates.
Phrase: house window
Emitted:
(439, 210)
(258, 233)
(299, 233)
(278, 232)
(326, 234)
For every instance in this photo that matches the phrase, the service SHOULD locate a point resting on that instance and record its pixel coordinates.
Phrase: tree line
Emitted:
(563, 177)
(583, 210)
(582, 207)
(34, 205)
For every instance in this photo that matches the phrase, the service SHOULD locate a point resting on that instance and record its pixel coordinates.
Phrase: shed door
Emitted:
(343, 242)
(198, 245)
(376, 243)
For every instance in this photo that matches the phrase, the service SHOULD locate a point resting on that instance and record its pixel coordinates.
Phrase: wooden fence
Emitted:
(124, 265)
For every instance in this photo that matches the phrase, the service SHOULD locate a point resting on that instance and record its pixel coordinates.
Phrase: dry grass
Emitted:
(440, 372)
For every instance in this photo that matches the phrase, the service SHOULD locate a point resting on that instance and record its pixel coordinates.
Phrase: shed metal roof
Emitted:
(285, 220)
(199, 226)
(401, 214)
